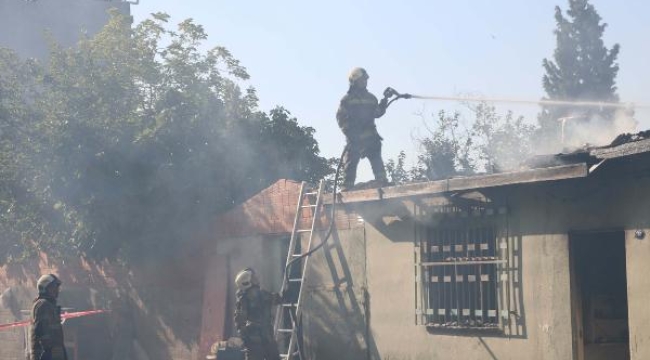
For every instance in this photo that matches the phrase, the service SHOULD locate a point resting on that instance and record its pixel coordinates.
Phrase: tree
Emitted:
(494, 143)
(500, 143)
(292, 149)
(137, 139)
(396, 169)
(445, 153)
(582, 68)
(18, 142)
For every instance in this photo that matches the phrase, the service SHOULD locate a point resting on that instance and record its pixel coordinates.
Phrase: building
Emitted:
(27, 25)
(548, 262)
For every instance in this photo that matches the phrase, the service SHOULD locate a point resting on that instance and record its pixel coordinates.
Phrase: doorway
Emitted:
(599, 295)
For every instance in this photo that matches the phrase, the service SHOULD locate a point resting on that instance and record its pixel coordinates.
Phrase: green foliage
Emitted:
(134, 140)
(501, 143)
(445, 153)
(292, 149)
(18, 138)
(495, 143)
(582, 68)
(396, 169)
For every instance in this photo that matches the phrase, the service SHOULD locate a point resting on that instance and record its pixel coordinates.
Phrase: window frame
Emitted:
(458, 222)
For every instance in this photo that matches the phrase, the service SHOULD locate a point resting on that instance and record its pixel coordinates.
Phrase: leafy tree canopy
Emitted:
(131, 142)
(494, 143)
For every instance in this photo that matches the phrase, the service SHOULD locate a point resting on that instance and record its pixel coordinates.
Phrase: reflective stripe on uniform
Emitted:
(368, 133)
(361, 101)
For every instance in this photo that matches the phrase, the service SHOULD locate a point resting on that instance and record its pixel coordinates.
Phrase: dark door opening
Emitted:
(599, 296)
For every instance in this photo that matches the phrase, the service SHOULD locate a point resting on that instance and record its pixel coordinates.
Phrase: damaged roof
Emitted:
(623, 145)
(568, 165)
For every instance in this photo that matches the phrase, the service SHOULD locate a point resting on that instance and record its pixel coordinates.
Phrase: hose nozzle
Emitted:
(390, 92)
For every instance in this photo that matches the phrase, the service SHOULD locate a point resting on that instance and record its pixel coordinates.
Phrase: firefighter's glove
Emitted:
(383, 104)
(390, 92)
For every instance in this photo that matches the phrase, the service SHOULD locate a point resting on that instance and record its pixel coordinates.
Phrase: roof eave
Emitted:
(465, 183)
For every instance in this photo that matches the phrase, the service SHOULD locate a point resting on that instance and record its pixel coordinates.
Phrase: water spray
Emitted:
(390, 92)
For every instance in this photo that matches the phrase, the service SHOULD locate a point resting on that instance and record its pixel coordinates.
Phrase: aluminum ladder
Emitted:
(288, 313)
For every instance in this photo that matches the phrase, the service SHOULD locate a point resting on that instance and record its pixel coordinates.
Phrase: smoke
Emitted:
(24, 24)
(581, 130)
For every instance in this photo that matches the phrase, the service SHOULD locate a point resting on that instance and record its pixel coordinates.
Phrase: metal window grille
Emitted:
(461, 270)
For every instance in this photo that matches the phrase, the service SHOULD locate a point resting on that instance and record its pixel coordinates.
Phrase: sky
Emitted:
(299, 53)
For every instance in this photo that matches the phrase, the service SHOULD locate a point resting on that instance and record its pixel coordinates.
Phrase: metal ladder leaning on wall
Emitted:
(289, 311)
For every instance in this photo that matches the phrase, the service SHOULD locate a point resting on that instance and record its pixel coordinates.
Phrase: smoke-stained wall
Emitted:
(24, 24)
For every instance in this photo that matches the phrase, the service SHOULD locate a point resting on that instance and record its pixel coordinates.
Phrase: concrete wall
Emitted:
(638, 293)
(24, 24)
(335, 303)
(391, 284)
(541, 216)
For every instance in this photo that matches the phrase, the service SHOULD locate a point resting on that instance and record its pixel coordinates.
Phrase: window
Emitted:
(462, 270)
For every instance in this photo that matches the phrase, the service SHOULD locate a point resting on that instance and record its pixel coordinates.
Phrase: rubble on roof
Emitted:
(626, 138)
(622, 145)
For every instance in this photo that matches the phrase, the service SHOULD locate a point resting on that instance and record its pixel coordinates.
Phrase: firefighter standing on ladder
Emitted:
(253, 317)
(356, 118)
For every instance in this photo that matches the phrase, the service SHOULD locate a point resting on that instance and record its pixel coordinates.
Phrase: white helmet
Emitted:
(356, 74)
(45, 281)
(245, 279)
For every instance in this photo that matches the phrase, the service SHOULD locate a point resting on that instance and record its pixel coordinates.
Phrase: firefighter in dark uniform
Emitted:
(46, 333)
(356, 118)
(253, 317)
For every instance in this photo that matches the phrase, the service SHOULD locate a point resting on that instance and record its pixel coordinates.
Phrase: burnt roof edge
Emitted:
(625, 149)
(464, 183)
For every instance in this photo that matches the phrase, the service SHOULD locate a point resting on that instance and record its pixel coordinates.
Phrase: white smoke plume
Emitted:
(579, 130)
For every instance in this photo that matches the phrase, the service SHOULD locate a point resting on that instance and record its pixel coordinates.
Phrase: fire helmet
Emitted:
(45, 281)
(357, 74)
(245, 279)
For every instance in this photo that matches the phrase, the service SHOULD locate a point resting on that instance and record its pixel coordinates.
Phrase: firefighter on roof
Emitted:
(356, 118)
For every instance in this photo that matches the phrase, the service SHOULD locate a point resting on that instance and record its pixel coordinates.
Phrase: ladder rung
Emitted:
(303, 230)
(308, 206)
(285, 330)
(296, 255)
(290, 305)
(311, 193)
(295, 280)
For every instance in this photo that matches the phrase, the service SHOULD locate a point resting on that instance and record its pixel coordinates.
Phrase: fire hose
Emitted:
(64, 317)
(390, 96)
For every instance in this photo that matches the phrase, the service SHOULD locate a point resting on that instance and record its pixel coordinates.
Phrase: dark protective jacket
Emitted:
(253, 309)
(46, 333)
(357, 113)
(254, 322)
